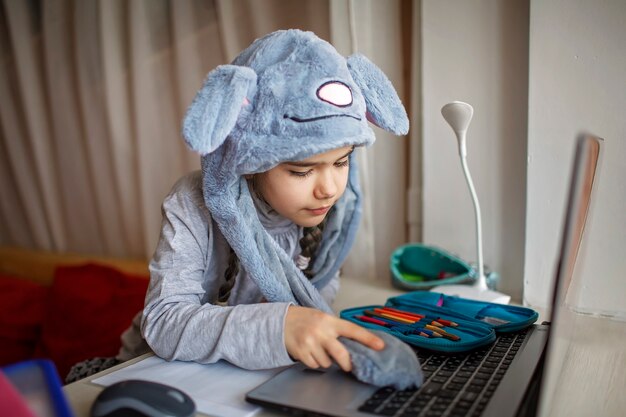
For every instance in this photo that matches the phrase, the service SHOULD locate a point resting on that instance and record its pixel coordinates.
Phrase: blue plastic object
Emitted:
(38, 383)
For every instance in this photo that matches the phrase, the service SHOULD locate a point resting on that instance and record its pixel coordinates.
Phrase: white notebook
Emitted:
(217, 389)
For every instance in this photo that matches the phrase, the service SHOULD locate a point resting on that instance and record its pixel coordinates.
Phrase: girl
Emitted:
(250, 248)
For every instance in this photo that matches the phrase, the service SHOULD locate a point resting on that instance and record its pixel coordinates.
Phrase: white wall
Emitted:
(477, 52)
(577, 81)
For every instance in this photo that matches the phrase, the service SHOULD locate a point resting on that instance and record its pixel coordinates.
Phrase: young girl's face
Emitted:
(304, 191)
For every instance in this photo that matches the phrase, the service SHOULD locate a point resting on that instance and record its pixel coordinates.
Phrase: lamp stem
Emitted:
(482, 281)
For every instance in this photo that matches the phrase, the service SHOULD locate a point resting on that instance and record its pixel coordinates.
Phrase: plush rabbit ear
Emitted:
(214, 111)
(384, 108)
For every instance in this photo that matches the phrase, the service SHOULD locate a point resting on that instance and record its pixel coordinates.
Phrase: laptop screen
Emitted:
(578, 205)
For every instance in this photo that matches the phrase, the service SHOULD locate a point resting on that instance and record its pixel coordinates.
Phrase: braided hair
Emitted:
(232, 270)
(309, 244)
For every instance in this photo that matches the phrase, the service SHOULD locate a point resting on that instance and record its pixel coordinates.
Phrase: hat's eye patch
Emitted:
(335, 93)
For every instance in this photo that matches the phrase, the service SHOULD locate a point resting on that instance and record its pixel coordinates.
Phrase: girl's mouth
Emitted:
(319, 211)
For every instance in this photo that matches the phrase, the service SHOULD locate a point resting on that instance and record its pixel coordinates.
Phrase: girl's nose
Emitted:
(325, 188)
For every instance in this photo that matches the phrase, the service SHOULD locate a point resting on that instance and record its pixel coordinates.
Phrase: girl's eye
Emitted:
(301, 174)
(343, 163)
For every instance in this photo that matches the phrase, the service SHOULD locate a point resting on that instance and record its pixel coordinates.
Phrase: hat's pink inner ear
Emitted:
(245, 102)
(370, 118)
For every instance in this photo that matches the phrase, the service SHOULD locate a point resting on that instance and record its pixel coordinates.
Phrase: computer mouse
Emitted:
(140, 398)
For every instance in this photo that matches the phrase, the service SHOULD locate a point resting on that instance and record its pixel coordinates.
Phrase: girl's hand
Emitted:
(311, 337)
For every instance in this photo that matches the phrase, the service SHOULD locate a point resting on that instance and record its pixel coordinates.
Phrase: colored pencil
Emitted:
(442, 332)
(406, 316)
(366, 319)
(445, 322)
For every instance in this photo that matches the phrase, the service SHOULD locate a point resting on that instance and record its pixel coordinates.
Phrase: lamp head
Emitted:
(458, 115)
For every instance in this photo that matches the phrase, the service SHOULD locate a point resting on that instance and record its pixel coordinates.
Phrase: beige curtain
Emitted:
(92, 94)
(379, 30)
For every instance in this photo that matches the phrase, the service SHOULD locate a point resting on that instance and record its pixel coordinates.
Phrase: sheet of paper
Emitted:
(218, 389)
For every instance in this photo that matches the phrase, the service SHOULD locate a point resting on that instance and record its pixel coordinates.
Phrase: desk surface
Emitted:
(592, 381)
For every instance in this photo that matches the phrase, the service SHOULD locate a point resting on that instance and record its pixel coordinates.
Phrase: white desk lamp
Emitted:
(458, 115)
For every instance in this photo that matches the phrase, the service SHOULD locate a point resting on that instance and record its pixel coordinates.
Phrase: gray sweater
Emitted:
(180, 320)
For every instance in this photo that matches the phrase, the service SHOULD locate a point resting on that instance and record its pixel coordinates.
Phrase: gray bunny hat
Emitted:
(288, 96)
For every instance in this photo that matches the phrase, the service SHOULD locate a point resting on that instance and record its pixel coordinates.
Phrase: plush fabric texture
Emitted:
(270, 106)
(22, 309)
(89, 307)
(396, 365)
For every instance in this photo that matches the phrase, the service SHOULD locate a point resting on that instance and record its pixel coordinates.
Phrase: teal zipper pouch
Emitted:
(420, 267)
(465, 324)
(502, 318)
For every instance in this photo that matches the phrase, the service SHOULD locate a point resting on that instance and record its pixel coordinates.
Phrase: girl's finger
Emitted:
(340, 354)
(309, 361)
(360, 334)
(321, 357)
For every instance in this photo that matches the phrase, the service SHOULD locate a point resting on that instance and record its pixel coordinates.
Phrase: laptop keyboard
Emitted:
(454, 385)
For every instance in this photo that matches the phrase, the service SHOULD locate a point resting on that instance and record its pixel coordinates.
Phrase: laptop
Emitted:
(510, 377)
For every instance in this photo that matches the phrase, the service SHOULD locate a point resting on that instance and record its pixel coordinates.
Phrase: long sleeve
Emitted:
(179, 320)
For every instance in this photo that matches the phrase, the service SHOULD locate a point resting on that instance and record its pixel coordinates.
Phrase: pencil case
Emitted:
(503, 318)
(477, 321)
